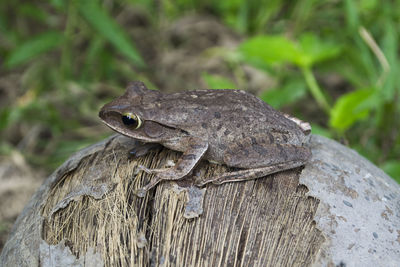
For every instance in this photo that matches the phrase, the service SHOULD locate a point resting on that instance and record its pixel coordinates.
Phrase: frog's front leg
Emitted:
(195, 150)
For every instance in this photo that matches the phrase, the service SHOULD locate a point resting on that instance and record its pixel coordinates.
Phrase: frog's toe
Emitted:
(145, 169)
(150, 171)
(140, 192)
(135, 153)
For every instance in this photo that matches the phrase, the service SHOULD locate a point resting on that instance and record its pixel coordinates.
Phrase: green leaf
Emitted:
(33, 11)
(278, 49)
(269, 50)
(4, 118)
(289, 93)
(31, 48)
(217, 81)
(58, 3)
(101, 21)
(314, 50)
(350, 108)
(316, 129)
(392, 168)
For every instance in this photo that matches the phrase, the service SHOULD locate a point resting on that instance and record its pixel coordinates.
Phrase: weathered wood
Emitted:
(266, 221)
(89, 207)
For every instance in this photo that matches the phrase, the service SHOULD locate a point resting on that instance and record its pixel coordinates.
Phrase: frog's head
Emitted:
(131, 115)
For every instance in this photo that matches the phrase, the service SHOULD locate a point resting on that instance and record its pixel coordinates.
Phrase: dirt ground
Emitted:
(18, 182)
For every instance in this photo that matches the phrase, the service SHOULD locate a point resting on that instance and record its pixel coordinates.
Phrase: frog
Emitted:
(224, 126)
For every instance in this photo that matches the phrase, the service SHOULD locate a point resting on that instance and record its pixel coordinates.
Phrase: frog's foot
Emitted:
(182, 168)
(160, 174)
(141, 192)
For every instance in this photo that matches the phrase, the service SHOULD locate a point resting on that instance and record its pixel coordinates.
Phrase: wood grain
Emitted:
(262, 222)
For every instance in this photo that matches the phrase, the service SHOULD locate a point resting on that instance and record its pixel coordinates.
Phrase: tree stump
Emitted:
(339, 210)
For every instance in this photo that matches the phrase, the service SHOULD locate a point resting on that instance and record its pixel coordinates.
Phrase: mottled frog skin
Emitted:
(229, 127)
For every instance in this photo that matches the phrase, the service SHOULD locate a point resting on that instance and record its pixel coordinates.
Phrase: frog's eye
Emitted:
(131, 120)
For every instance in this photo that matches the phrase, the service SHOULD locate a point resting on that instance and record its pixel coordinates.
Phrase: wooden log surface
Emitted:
(87, 214)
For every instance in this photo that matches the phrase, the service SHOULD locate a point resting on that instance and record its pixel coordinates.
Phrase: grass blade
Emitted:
(102, 22)
(31, 48)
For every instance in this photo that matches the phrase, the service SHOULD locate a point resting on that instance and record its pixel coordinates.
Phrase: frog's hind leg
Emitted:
(258, 159)
(254, 154)
(249, 174)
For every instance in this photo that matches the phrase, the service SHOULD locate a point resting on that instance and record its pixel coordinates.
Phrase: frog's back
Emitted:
(218, 100)
(227, 105)
(223, 113)
(224, 99)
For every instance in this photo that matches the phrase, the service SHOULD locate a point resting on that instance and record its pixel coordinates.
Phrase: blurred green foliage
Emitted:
(63, 50)
(218, 81)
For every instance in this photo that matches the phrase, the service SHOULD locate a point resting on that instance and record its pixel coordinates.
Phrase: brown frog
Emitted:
(229, 127)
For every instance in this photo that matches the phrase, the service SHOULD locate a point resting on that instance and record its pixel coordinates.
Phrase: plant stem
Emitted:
(66, 50)
(315, 90)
